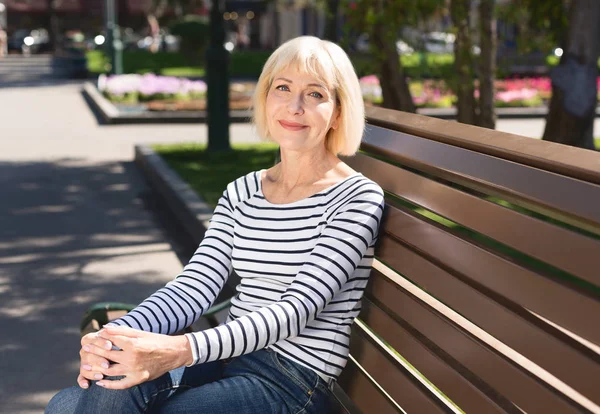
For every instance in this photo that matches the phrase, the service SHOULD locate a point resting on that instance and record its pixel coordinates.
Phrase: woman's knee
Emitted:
(64, 402)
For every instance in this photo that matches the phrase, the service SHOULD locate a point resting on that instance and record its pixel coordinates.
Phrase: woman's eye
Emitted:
(316, 95)
(282, 88)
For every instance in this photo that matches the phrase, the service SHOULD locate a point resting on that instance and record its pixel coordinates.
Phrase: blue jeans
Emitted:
(261, 382)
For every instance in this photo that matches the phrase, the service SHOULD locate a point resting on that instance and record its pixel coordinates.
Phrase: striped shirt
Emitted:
(303, 268)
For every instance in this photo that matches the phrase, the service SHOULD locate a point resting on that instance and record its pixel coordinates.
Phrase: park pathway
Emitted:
(77, 225)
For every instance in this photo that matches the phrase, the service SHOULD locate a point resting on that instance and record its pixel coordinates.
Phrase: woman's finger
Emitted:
(92, 375)
(116, 370)
(121, 384)
(93, 362)
(110, 355)
(83, 383)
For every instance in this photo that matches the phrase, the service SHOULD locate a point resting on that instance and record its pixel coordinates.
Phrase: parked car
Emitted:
(362, 45)
(28, 41)
(442, 42)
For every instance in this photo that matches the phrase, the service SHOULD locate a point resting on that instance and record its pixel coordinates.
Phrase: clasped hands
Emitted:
(142, 356)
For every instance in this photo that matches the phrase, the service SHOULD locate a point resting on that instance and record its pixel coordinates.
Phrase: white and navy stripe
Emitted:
(303, 268)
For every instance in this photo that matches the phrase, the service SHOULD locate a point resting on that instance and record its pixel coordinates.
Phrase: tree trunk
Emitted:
(331, 27)
(487, 71)
(394, 87)
(463, 61)
(53, 25)
(572, 108)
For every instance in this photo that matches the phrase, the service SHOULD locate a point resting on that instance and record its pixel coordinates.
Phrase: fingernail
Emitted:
(98, 376)
(86, 348)
(87, 367)
(104, 365)
(83, 384)
(100, 383)
(108, 345)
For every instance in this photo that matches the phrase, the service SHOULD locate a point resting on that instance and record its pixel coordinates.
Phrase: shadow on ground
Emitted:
(71, 233)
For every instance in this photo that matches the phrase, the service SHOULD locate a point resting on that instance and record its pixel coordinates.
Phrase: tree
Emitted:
(468, 67)
(331, 26)
(383, 21)
(572, 108)
(463, 61)
(487, 64)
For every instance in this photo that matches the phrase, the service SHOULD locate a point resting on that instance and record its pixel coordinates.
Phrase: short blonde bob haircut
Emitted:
(327, 62)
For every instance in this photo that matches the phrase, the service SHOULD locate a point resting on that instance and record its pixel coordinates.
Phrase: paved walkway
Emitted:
(77, 225)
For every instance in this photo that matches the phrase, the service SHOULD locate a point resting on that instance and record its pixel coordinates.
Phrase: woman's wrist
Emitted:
(183, 351)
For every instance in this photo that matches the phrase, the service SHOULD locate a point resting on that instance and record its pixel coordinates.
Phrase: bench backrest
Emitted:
(485, 291)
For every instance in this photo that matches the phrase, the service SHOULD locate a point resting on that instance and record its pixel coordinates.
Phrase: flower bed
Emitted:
(527, 92)
(168, 93)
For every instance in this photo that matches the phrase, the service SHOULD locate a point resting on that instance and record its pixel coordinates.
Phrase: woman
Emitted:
(300, 235)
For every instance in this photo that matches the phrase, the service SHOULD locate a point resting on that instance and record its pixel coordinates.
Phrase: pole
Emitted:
(113, 38)
(217, 77)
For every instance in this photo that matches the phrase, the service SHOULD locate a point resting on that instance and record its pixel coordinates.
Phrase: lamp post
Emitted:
(217, 79)
(113, 38)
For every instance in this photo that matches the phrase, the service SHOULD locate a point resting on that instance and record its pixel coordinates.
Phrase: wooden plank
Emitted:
(559, 247)
(367, 397)
(570, 199)
(344, 403)
(468, 391)
(559, 355)
(562, 159)
(516, 287)
(401, 385)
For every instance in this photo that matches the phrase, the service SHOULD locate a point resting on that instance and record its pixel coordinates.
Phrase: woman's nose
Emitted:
(296, 105)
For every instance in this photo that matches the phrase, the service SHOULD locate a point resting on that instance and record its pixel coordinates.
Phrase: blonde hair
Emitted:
(327, 62)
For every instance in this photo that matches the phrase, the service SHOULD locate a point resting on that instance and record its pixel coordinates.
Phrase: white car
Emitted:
(363, 45)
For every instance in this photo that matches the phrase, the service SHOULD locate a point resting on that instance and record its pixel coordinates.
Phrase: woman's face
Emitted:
(300, 111)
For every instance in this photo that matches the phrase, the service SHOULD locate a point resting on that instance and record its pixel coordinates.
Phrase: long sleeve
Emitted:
(182, 301)
(349, 231)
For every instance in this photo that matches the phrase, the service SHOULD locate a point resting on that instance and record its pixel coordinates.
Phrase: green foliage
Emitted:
(209, 173)
(542, 25)
(364, 16)
(194, 32)
(242, 63)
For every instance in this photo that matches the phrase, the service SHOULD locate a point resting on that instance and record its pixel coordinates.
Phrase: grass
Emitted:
(241, 64)
(597, 142)
(209, 173)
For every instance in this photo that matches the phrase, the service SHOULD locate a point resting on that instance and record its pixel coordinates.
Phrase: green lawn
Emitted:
(209, 174)
(597, 141)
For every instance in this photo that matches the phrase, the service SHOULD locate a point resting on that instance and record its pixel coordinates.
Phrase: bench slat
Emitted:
(367, 397)
(562, 357)
(400, 384)
(471, 394)
(568, 198)
(472, 358)
(557, 246)
(550, 156)
(516, 286)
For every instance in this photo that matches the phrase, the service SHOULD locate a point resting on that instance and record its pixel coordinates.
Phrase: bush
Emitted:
(194, 33)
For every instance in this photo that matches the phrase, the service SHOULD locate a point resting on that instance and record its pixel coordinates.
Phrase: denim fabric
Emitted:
(262, 382)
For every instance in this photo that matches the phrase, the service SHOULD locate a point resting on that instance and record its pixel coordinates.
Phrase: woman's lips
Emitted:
(291, 126)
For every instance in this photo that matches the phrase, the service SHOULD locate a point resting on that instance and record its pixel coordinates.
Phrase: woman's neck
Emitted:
(303, 169)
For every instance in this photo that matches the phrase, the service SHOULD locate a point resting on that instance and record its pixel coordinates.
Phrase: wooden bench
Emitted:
(485, 290)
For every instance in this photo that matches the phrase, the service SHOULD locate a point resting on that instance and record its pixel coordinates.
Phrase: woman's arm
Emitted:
(341, 246)
(182, 301)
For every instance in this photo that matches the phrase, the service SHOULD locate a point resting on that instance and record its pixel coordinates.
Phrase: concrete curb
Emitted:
(111, 115)
(188, 208)
(190, 211)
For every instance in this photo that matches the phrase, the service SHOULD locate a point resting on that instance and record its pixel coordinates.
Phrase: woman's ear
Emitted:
(336, 118)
